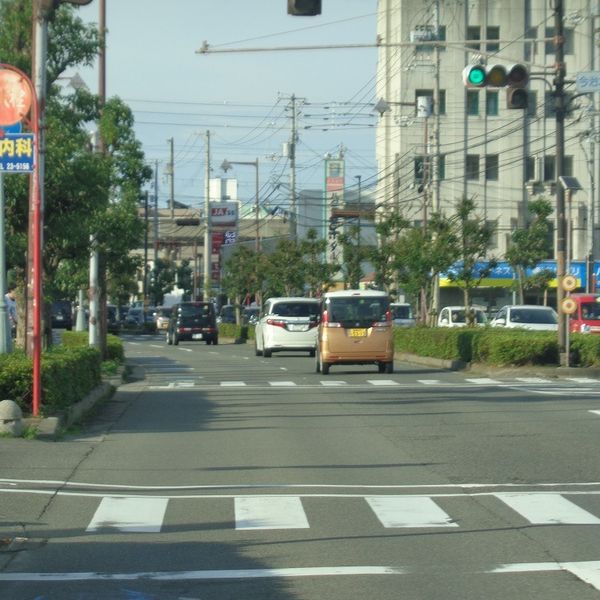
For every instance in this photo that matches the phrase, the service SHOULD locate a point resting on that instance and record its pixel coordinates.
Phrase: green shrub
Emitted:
(231, 330)
(437, 342)
(80, 339)
(585, 349)
(516, 347)
(68, 374)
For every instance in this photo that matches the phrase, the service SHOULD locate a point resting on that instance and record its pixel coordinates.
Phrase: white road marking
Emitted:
(483, 381)
(548, 509)
(137, 515)
(185, 349)
(332, 383)
(282, 383)
(409, 511)
(233, 383)
(533, 380)
(382, 382)
(596, 412)
(155, 346)
(582, 379)
(270, 512)
(206, 575)
(429, 381)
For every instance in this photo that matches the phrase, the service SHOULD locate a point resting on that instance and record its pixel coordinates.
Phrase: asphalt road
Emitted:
(220, 475)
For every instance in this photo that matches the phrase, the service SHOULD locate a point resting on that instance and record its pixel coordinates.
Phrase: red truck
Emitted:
(586, 318)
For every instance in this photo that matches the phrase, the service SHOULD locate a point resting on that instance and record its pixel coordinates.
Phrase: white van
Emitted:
(454, 316)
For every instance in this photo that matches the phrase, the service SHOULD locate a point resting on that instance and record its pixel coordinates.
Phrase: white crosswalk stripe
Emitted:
(483, 381)
(382, 382)
(332, 383)
(429, 381)
(409, 511)
(533, 380)
(270, 512)
(282, 383)
(233, 383)
(548, 509)
(582, 379)
(129, 514)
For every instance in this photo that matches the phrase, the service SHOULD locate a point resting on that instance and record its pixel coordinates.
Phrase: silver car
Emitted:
(287, 324)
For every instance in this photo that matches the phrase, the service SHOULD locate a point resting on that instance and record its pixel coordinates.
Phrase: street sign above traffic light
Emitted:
(513, 77)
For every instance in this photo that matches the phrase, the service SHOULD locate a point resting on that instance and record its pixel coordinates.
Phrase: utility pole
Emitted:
(171, 175)
(559, 98)
(145, 286)
(155, 212)
(292, 155)
(207, 228)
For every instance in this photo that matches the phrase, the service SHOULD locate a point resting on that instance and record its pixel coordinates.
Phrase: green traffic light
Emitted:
(477, 76)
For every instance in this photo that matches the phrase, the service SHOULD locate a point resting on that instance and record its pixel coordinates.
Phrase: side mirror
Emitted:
(500, 322)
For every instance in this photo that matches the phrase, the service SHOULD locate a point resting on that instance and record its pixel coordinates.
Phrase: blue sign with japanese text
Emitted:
(16, 153)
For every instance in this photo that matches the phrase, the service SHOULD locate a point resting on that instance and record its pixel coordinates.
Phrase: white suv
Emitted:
(526, 316)
(287, 324)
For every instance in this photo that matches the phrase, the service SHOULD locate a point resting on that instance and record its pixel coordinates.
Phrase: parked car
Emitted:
(135, 316)
(113, 324)
(355, 328)
(454, 316)
(526, 316)
(287, 324)
(402, 314)
(62, 315)
(161, 316)
(250, 315)
(193, 321)
(227, 313)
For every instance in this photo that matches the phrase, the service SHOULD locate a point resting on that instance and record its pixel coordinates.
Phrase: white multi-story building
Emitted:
(472, 144)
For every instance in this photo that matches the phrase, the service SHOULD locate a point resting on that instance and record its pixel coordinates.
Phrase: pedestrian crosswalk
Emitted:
(150, 514)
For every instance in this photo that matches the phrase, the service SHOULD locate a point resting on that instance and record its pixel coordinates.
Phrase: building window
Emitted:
(441, 167)
(568, 166)
(529, 47)
(549, 168)
(491, 167)
(419, 168)
(442, 36)
(472, 102)
(472, 167)
(531, 103)
(429, 94)
(491, 104)
(474, 33)
(530, 170)
(493, 33)
(569, 45)
(493, 227)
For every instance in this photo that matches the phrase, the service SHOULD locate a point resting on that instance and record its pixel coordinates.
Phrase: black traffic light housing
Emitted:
(516, 98)
(304, 8)
(514, 78)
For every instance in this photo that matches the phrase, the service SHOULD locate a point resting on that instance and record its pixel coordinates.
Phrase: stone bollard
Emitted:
(11, 418)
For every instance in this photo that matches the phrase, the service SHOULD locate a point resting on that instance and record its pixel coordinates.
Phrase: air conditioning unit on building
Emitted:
(423, 33)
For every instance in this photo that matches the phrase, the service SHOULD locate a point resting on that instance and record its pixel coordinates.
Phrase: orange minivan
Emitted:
(355, 328)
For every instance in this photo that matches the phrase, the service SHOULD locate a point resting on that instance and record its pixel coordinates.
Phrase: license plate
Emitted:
(196, 336)
(293, 327)
(358, 332)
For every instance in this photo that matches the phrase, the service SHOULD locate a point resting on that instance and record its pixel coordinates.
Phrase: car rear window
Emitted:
(352, 310)
(401, 312)
(189, 310)
(295, 309)
(458, 316)
(524, 315)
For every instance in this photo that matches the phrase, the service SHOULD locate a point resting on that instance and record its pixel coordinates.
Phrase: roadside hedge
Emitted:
(497, 347)
(231, 330)
(68, 374)
(79, 339)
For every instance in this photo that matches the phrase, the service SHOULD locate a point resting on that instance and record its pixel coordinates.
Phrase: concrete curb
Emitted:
(428, 361)
(50, 427)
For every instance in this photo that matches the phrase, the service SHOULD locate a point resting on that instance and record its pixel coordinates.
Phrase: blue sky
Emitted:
(241, 97)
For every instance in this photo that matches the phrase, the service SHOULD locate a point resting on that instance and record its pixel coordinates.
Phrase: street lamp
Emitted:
(226, 165)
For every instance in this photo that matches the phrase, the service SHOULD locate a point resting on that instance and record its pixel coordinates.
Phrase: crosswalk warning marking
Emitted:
(128, 514)
(382, 382)
(409, 511)
(483, 381)
(282, 383)
(270, 512)
(548, 509)
(429, 381)
(333, 383)
(233, 383)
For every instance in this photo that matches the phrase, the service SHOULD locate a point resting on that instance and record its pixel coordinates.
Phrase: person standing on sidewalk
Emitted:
(11, 310)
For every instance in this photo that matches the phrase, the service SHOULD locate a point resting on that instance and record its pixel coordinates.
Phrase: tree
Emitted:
(242, 274)
(317, 272)
(352, 257)
(474, 237)
(285, 270)
(384, 256)
(530, 245)
(162, 280)
(185, 279)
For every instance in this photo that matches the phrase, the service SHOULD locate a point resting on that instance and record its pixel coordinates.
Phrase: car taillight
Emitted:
(386, 323)
(327, 323)
(276, 323)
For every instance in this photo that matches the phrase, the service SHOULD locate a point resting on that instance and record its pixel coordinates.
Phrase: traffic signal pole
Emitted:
(560, 104)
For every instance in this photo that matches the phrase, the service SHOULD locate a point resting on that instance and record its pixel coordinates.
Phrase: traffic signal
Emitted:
(513, 77)
(304, 8)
